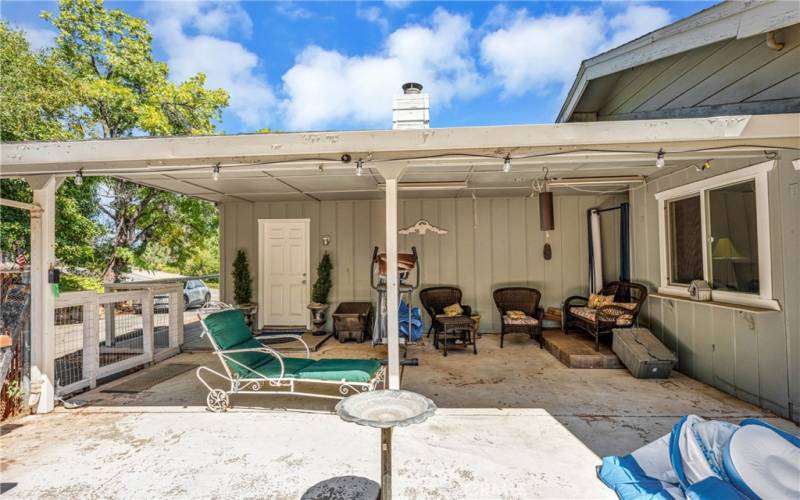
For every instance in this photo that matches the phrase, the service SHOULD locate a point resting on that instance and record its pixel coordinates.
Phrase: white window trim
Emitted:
(756, 172)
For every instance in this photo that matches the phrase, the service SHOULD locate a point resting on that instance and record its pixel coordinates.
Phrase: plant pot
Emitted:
(249, 309)
(318, 317)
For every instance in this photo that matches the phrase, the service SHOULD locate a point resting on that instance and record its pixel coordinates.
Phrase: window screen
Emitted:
(685, 240)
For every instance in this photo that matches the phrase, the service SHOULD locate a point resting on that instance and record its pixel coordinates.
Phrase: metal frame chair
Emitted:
(218, 399)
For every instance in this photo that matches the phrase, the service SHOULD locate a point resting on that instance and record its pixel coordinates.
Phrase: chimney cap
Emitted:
(412, 88)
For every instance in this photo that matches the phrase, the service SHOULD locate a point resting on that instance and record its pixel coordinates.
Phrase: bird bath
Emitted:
(386, 409)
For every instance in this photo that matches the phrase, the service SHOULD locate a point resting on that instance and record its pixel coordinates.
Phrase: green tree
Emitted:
(101, 80)
(36, 94)
(36, 100)
(242, 284)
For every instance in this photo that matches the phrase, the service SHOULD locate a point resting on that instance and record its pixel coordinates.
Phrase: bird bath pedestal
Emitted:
(386, 409)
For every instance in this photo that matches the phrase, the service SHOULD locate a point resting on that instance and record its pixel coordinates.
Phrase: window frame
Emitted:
(757, 173)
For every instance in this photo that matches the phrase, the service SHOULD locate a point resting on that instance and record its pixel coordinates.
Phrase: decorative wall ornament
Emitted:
(326, 240)
(421, 227)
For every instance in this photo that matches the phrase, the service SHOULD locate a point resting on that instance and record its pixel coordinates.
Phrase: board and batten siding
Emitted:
(755, 357)
(505, 248)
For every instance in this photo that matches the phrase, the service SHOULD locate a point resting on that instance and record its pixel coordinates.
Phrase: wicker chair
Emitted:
(435, 299)
(523, 299)
(577, 314)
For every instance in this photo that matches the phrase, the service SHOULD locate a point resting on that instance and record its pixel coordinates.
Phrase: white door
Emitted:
(284, 270)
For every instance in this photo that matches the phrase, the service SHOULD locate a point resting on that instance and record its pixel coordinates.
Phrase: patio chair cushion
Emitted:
(228, 328)
(349, 370)
(527, 320)
(291, 366)
(252, 361)
(590, 315)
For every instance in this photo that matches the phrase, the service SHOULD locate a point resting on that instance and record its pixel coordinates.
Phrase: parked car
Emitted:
(195, 294)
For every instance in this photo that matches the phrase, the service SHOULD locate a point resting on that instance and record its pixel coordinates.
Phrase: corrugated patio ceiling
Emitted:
(297, 166)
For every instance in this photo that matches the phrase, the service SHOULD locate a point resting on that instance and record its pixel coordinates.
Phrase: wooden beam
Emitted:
(30, 207)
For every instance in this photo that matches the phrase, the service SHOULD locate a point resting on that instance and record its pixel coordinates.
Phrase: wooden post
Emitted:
(386, 463)
(148, 337)
(392, 321)
(43, 223)
(91, 327)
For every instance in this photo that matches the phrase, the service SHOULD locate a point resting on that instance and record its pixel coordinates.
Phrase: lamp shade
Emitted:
(724, 249)
(546, 221)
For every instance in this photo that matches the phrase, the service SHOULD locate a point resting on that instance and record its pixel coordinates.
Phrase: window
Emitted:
(685, 241)
(717, 230)
(733, 238)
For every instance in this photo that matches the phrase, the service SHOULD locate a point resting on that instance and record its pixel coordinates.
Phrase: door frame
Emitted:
(262, 260)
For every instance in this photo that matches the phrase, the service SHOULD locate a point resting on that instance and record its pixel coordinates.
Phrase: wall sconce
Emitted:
(326, 240)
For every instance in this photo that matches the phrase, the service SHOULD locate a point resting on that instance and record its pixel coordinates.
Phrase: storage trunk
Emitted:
(352, 320)
(642, 353)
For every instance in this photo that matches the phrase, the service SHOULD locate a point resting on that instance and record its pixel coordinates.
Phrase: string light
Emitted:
(79, 178)
(215, 172)
(660, 162)
(359, 168)
(507, 164)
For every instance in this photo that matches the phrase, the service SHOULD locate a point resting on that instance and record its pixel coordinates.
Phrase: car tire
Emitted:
(185, 303)
(207, 298)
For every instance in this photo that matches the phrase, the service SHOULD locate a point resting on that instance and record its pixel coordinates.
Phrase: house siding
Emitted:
(755, 357)
(505, 248)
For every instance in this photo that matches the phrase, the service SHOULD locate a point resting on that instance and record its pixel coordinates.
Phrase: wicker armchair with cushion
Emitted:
(512, 301)
(435, 299)
(618, 307)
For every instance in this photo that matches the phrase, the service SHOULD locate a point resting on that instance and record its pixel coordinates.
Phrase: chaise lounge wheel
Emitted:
(217, 400)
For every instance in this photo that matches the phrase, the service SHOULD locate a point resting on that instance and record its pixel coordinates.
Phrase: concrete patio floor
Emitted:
(513, 423)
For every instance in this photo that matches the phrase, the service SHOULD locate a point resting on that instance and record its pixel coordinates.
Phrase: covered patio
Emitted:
(512, 423)
(514, 415)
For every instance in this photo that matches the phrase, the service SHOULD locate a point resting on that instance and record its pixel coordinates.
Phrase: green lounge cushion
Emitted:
(350, 370)
(292, 367)
(251, 360)
(228, 328)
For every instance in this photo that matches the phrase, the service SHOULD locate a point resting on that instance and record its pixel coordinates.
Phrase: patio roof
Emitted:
(307, 165)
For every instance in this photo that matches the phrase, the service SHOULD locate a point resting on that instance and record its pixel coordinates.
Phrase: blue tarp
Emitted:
(415, 322)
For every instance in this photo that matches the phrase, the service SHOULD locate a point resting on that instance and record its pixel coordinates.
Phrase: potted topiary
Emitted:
(242, 287)
(319, 294)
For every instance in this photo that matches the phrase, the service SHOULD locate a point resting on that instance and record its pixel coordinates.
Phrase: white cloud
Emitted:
(226, 63)
(325, 87)
(39, 38)
(533, 53)
(292, 11)
(635, 21)
(398, 4)
(373, 15)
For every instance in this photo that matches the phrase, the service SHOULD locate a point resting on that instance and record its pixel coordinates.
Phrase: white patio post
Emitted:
(43, 223)
(391, 174)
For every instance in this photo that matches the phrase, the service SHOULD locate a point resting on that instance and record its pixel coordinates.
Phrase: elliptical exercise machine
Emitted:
(406, 265)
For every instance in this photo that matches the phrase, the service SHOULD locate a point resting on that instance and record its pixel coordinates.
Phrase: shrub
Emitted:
(322, 286)
(242, 289)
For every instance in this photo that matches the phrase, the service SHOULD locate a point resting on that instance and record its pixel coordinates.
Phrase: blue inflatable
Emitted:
(704, 460)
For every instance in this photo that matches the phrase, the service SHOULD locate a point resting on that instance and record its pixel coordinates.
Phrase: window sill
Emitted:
(757, 306)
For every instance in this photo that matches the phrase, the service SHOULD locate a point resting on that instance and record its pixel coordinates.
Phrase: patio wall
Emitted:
(755, 357)
(504, 249)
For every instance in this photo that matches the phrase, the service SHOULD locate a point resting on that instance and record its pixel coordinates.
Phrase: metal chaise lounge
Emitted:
(251, 367)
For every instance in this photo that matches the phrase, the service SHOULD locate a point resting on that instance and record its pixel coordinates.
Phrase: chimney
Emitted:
(411, 110)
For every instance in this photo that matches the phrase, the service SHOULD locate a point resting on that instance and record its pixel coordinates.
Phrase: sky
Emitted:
(292, 66)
